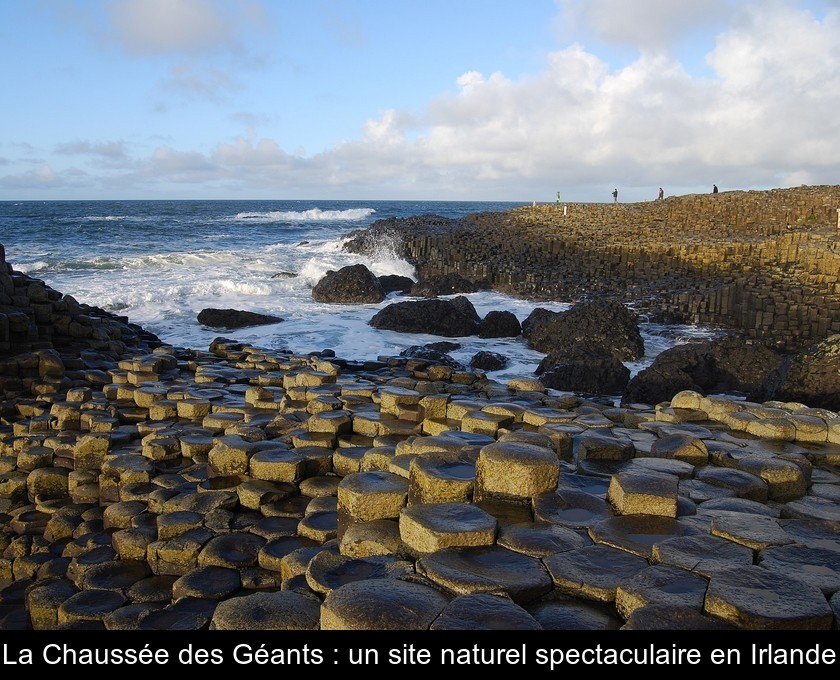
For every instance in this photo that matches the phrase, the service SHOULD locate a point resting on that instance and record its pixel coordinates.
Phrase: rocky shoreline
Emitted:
(149, 487)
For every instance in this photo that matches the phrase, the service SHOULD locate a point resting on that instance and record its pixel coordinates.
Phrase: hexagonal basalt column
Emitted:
(366, 496)
(441, 478)
(430, 527)
(632, 493)
(515, 471)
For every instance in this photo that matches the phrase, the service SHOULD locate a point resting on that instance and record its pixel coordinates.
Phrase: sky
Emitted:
(503, 100)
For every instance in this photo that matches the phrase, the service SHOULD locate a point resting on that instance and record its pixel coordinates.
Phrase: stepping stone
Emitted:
(209, 583)
(89, 605)
(594, 485)
(118, 575)
(319, 526)
(661, 585)
(663, 617)
(430, 527)
(327, 570)
(377, 537)
(483, 611)
(593, 572)
(785, 480)
(319, 485)
(296, 562)
(700, 492)
(271, 528)
(573, 509)
(377, 459)
(151, 589)
(44, 599)
(562, 437)
(235, 551)
(593, 447)
(347, 460)
(283, 610)
(816, 566)
(812, 508)
(128, 617)
(566, 613)
(704, 554)
(273, 552)
(382, 604)
(683, 447)
(515, 471)
(813, 533)
(187, 614)
(365, 496)
(754, 598)
(633, 493)
(294, 506)
(755, 532)
(667, 466)
(277, 465)
(441, 478)
(744, 484)
(637, 534)
(172, 524)
(723, 506)
(540, 539)
(486, 569)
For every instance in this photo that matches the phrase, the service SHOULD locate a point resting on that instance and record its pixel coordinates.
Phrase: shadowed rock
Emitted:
(234, 318)
(284, 610)
(482, 611)
(438, 317)
(443, 284)
(353, 284)
(561, 613)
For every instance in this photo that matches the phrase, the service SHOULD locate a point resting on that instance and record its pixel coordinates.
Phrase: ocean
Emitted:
(161, 262)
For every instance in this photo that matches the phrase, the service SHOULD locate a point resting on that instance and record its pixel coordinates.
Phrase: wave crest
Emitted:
(312, 215)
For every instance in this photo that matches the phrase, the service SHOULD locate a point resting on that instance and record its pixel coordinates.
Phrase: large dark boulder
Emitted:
(463, 305)
(354, 284)
(537, 316)
(438, 317)
(432, 355)
(394, 283)
(234, 318)
(732, 365)
(811, 376)
(583, 369)
(443, 284)
(488, 361)
(499, 324)
(604, 324)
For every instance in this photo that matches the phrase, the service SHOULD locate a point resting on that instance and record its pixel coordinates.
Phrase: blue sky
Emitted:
(416, 99)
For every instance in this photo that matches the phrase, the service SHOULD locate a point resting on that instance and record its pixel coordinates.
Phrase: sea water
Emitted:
(160, 263)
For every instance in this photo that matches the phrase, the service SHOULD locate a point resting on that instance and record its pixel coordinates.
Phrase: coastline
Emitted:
(146, 487)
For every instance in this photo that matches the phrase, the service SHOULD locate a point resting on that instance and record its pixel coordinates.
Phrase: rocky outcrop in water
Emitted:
(584, 370)
(435, 316)
(353, 284)
(811, 376)
(234, 318)
(445, 284)
(394, 283)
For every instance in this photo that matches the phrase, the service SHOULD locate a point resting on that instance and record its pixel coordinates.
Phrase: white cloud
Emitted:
(172, 26)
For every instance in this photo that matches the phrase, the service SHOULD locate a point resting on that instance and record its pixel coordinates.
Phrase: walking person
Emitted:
(661, 193)
(615, 195)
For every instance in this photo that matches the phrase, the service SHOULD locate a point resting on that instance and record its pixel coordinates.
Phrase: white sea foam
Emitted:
(104, 218)
(30, 267)
(312, 215)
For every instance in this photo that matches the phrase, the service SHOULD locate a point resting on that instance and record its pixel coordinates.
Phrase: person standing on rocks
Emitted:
(661, 194)
(714, 188)
(615, 195)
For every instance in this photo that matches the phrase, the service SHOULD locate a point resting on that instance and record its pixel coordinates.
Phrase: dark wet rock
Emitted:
(89, 605)
(487, 569)
(428, 527)
(382, 604)
(593, 572)
(578, 368)
(811, 376)
(129, 616)
(463, 305)
(234, 318)
(815, 566)
(432, 355)
(754, 598)
(567, 613)
(483, 611)
(499, 324)
(813, 533)
(234, 550)
(488, 361)
(327, 570)
(443, 284)
(571, 508)
(394, 283)
(604, 324)
(284, 610)
(666, 617)
(638, 534)
(283, 275)
(187, 614)
(353, 284)
(209, 583)
(540, 539)
(437, 317)
(661, 585)
(727, 365)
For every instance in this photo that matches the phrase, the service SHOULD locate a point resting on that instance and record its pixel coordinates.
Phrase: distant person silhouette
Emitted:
(661, 193)
(615, 195)
(714, 188)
